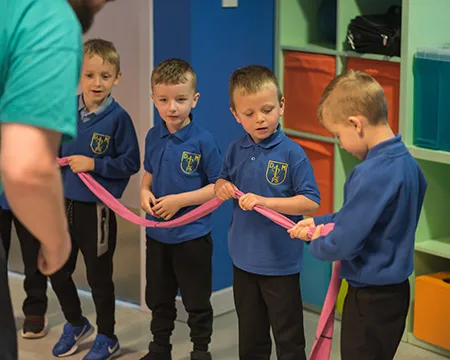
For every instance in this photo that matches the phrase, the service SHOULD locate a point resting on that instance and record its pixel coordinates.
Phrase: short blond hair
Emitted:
(252, 79)
(105, 49)
(173, 72)
(354, 93)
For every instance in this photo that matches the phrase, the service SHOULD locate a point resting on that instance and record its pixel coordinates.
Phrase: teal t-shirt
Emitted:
(40, 61)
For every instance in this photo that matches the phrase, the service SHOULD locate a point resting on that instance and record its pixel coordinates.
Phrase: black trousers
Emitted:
(188, 267)
(93, 230)
(373, 321)
(8, 340)
(263, 302)
(35, 284)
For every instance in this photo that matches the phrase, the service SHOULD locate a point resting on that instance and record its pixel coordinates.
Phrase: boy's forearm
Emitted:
(296, 205)
(197, 197)
(146, 182)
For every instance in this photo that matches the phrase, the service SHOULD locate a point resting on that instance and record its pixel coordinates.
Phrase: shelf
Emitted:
(328, 49)
(372, 56)
(299, 24)
(427, 346)
(325, 49)
(439, 247)
(437, 156)
(305, 135)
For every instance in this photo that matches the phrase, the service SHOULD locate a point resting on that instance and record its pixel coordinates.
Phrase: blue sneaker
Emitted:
(104, 348)
(71, 337)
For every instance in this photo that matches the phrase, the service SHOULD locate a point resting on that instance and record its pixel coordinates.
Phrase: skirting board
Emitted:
(222, 302)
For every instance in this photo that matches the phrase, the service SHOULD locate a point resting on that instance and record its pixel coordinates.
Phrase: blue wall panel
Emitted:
(216, 41)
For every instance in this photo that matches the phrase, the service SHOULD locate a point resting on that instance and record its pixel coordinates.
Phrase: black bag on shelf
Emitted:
(376, 34)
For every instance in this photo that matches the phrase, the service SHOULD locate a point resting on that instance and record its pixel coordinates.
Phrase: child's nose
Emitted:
(173, 106)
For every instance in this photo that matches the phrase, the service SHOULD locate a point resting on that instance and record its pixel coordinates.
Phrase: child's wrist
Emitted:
(265, 202)
(182, 200)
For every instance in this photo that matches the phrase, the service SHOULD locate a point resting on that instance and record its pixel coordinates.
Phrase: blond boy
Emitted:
(374, 230)
(107, 148)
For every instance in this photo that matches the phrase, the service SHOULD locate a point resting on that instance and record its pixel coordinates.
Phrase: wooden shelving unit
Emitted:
(424, 23)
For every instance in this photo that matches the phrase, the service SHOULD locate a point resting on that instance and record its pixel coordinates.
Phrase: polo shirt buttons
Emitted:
(253, 158)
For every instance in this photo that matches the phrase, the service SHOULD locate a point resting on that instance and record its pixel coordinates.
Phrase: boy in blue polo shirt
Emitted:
(374, 231)
(107, 148)
(182, 162)
(274, 172)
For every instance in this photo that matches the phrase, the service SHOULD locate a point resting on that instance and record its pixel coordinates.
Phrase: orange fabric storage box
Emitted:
(305, 77)
(432, 310)
(388, 75)
(321, 157)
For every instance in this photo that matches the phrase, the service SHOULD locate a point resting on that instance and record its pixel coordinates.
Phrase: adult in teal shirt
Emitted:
(40, 60)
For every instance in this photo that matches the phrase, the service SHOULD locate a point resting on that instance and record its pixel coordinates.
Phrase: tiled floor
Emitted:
(133, 332)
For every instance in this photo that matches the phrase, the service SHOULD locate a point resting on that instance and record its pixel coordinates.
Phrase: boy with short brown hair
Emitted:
(182, 162)
(273, 171)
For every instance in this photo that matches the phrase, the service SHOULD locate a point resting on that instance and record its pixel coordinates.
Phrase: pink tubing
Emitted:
(321, 349)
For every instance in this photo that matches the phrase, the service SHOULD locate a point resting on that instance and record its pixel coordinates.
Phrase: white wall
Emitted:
(129, 25)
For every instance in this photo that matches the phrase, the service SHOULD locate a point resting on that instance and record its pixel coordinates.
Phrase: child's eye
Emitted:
(88, 75)
(267, 110)
(248, 114)
(162, 100)
(181, 99)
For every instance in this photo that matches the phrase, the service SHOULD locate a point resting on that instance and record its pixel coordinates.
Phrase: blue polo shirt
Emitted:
(181, 162)
(275, 167)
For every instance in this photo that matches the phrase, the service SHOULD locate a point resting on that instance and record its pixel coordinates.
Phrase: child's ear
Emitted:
(117, 79)
(196, 97)
(282, 105)
(235, 115)
(357, 123)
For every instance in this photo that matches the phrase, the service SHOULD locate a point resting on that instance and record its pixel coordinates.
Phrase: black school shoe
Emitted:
(34, 327)
(158, 352)
(157, 356)
(201, 355)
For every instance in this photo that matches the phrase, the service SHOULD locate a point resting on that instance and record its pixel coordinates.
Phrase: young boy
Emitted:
(107, 147)
(374, 231)
(274, 172)
(35, 284)
(182, 162)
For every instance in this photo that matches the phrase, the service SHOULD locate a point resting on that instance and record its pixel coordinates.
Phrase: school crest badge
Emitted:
(276, 172)
(189, 162)
(100, 143)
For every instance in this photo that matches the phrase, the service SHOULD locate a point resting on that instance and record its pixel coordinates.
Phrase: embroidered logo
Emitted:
(276, 172)
(100, 143)
(189, 162)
